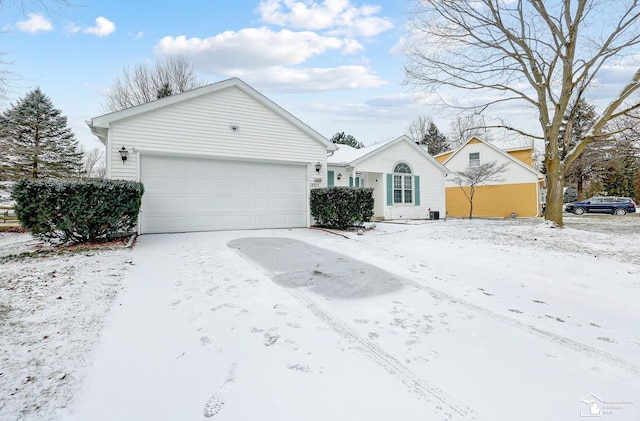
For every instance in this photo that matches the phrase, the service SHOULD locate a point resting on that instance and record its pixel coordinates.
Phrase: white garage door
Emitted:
(186, 194)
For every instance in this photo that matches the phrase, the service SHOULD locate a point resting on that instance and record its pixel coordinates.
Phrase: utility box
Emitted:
(433, 215)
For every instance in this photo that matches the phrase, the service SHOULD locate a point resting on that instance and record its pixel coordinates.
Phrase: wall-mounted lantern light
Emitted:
(339, 176)
(123, 154)
(318, 167)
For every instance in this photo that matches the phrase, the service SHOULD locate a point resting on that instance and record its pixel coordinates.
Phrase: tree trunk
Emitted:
(580, 189)
(555, 196)
(471, 193)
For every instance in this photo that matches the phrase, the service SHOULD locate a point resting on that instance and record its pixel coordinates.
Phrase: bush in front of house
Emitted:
(77, 211)
(341, 207)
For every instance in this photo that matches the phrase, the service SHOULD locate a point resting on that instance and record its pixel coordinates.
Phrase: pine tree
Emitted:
(164, 91)
(35, 141)
(435, 141)
(574, 128)
(346, 139)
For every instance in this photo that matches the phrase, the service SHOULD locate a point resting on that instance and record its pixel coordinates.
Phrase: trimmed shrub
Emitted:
(341, 207)
(77, 211)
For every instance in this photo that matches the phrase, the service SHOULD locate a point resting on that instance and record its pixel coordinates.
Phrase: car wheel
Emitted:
(620, 212)
(578, 211)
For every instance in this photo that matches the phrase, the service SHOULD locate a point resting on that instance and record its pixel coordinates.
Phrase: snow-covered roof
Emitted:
(347, 154)
(350, 156)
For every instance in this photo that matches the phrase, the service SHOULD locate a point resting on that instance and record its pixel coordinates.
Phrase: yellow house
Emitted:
(517, 193)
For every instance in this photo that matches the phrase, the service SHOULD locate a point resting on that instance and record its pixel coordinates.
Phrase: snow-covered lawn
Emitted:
(457, 319)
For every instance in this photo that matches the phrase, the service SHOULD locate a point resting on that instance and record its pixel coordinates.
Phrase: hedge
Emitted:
(77, 211)
(341, 207)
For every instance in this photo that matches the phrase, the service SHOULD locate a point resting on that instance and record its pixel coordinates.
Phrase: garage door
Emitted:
(186, 194)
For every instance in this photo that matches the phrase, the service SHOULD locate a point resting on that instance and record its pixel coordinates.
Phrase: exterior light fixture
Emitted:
(123, 154)
(339, 176)
(318, 167)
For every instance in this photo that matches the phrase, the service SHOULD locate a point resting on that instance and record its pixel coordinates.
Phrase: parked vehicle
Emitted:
(603, 204)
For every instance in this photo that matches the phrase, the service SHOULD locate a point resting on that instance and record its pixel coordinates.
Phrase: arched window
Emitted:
(402, 184)
(402, 168)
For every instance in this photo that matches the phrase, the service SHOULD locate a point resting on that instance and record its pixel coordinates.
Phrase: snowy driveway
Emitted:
(422, 326)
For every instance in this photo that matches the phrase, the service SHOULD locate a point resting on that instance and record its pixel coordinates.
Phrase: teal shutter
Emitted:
(357, 182)
(330, 182)
(389, 190)
(350, 181)
(416, 183)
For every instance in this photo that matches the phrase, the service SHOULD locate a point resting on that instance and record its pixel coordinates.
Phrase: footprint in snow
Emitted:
(216, 402)
(270, 339)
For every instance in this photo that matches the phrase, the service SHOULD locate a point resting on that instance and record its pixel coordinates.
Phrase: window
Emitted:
(474, 159)
(402, 184)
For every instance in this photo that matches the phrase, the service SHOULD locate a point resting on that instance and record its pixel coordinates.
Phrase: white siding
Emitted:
(202, 127)
(514, 173)
(432, 193)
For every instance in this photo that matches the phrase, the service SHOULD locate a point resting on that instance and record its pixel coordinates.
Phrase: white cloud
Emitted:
(35, 23)
(103, 27)
(336, 16)
(251, 48)
(351, 46)
(286, 79)
(272, 58)
(72, 28)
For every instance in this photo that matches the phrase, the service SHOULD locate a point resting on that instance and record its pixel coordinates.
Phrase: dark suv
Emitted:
(603, 204)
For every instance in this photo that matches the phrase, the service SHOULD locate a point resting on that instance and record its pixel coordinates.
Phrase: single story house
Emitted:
(407, 182)
(517, 192)
(218, 157)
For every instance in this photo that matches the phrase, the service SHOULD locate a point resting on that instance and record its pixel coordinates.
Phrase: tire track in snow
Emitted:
(550, 336)
(444, 405)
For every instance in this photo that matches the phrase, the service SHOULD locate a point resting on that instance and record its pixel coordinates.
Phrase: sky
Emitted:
(337, 65)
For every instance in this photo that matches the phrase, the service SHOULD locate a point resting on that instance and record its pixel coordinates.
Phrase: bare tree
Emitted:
(465, 126)
(542, 54)
(94, 163)
(423, 131)
(25, 5)
(471, 177)
(144, 84)
(418, 128)
(6, 75)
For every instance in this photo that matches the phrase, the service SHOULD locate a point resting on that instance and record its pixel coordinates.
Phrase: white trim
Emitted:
(538, 174)
(154, 152)
(139, 179)
(142, 156)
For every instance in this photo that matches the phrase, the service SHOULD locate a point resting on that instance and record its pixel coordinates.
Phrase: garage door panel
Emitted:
(184, 194)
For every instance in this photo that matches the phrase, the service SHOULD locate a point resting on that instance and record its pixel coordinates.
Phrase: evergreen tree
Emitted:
(435, 141)
(574, 128)
(346, 139)
(35, 141)
(164, 91)
(619, 173)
